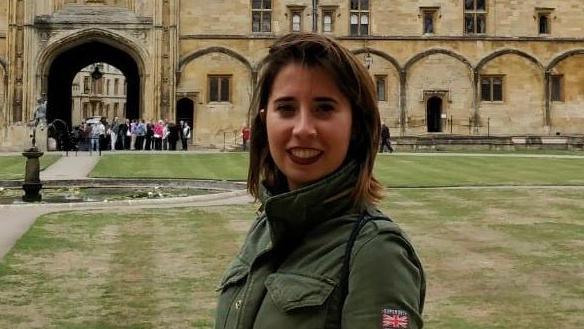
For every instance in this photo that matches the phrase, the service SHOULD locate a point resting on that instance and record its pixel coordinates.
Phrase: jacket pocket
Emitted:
(290, 291)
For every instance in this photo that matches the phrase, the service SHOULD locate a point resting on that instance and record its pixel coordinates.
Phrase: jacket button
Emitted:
(238, 304)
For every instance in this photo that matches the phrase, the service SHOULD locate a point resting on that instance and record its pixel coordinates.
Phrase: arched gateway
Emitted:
(61, 65)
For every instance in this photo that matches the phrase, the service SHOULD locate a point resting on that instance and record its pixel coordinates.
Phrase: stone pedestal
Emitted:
(32, 182)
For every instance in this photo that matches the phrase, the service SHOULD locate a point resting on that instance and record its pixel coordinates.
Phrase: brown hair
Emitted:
(313, 50)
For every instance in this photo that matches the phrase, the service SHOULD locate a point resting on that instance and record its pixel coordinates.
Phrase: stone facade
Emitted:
(205, 55)
(105, 97)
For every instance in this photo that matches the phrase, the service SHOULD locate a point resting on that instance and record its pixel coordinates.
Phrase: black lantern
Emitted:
(96, 74)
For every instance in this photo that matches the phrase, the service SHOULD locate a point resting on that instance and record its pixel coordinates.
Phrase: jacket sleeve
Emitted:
(386, 286)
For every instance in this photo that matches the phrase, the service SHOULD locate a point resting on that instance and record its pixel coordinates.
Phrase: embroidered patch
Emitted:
(394, 319)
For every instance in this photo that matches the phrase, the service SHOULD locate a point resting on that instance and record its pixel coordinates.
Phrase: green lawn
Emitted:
(394, 171)
(13, 166)
(231, 166)
(494, 258)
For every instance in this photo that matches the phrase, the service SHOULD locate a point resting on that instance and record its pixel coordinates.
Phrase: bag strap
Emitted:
(345, 269)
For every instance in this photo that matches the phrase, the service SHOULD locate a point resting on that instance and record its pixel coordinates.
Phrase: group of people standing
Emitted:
(136, 134)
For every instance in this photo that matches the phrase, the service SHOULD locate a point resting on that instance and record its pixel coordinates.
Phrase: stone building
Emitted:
(98, 89)
(442, 67)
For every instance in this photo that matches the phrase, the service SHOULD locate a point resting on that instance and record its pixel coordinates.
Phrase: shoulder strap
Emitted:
(345, 269)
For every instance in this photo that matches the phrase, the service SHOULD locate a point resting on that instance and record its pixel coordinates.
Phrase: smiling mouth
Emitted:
(304, 156)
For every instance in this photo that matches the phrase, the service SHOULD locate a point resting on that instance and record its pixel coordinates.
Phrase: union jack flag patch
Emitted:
(394, 319)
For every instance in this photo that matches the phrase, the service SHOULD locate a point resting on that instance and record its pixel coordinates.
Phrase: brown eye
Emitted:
(285, 109)
(324, 109)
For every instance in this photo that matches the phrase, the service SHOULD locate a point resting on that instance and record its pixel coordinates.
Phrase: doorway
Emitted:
(185, 110)
(434, 114)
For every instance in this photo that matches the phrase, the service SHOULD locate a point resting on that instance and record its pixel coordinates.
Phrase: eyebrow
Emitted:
(317, 99)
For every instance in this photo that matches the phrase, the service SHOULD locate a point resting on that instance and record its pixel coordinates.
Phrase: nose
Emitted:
(304, 125)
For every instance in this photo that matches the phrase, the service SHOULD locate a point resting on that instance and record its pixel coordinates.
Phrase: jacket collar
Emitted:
(291, 214)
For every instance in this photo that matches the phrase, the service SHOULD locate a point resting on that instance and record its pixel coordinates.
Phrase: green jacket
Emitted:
(288, 271)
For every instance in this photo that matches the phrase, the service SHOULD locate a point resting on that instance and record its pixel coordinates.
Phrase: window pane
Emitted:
(267, 4)
(469, 24)
(354, 29)
(469, 4)
(327, 22)
(354, 4)
(481, 24)
(556, 88)
(225, 89)
(354, 19)
(213, 89)
(255, 22)
(485, 89)
(364, 19)
(364, 29)
(497, 89)
(381, 89)
(543, 24)
(480, 4)
(364, 4)
(428, 22)
(256, 4)
(266, 22)
(296, 22)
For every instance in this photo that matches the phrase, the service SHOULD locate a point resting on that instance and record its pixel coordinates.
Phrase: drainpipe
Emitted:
(314, 16)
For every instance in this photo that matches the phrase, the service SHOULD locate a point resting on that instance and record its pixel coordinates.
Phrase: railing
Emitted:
(448, 124)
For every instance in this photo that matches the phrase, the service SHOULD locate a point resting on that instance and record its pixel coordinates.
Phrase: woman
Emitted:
(320, 255)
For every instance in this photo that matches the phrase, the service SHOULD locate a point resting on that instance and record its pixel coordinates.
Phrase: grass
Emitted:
(403, 170)
(498, 258)
(140, 269)
(494, 258)
(232, 166)
(13, 166)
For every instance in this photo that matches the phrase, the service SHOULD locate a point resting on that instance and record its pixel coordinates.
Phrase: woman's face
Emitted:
(308, 123)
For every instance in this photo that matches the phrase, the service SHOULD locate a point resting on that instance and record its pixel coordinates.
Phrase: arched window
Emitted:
(296, 22)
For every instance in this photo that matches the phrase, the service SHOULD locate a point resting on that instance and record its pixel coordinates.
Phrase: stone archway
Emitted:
(434, 114)
(65, 66)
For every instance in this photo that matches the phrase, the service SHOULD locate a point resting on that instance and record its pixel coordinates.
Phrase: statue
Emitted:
(40, 114)
(32, 184)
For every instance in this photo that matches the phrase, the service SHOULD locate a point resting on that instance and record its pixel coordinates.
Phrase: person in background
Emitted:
(165, 134)
(385, 142)
(97, 131)
(158, 131)
(113, 132)
(245, 134)
(186, 133)
(140, 134)
(149, 135)
(124, 135)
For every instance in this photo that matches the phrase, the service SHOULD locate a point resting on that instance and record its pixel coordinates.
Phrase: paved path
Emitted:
(71, 167)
